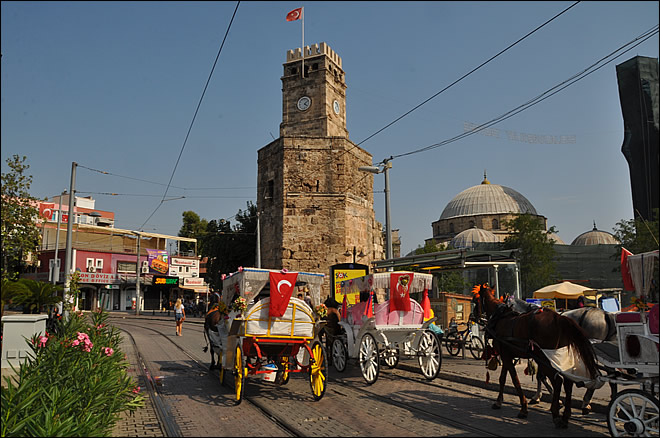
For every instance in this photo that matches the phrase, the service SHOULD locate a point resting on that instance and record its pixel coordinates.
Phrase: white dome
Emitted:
(487, 198)
(595, 237)
(467, 238)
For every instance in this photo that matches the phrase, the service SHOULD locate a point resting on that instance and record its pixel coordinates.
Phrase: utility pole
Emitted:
(138, 269)
(55, 274)
(258, 256)
(69, 231)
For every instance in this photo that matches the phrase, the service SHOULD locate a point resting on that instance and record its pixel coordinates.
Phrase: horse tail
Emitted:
(581, 343)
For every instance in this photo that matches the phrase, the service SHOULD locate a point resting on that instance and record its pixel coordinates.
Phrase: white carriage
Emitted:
(255, 343)
(634, 361)
(386, 335)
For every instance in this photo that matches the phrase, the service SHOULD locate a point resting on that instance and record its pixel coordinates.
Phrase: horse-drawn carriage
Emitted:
(387, 331)
(267, 331)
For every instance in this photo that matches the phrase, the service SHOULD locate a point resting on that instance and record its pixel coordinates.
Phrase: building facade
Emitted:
(313, 203)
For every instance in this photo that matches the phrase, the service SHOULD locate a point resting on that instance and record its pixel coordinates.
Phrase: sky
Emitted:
(115, 86)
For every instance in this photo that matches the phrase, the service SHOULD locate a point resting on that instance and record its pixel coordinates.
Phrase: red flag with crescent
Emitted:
(426, 305)
(281, 288)
(294, 15)
(400, 291)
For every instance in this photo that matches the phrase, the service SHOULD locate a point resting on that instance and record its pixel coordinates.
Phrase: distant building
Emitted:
(638, 93)
(595, 237)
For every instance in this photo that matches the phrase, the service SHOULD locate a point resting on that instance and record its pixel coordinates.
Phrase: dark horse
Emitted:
(517, 335)
(211, 321)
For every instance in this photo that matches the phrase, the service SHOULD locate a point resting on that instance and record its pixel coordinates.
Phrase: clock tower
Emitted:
(313, 203)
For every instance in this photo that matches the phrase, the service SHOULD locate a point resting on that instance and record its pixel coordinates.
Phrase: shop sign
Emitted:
(98, 277)
(193, 281)
(171, 281)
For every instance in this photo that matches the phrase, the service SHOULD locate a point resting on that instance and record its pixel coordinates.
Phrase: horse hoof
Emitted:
(522, 414)
(496, 406)
(586, 411)
(532, 402)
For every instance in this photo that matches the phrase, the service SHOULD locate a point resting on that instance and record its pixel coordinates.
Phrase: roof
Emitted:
(450, 259)
(595, 237)
(487, 198)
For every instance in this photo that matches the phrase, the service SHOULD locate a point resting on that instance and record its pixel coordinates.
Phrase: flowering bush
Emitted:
(74, 384)
(239, 305)
(321, 311)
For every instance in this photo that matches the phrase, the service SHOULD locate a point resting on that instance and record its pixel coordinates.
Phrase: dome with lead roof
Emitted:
(595, 237)
(487, 198)
(467, 238)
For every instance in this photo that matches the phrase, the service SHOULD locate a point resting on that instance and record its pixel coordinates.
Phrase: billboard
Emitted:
(158, 261)
(346, 271)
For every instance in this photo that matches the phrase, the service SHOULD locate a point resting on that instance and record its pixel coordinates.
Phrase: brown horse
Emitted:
(211, 321)
(517, 335)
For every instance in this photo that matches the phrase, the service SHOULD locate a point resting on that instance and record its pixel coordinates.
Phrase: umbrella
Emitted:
(565, 289)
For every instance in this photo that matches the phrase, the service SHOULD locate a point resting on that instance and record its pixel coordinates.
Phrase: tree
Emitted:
(193, 227)
(20, 233)
(638, 235)
(447, 281)
(536, 252)
(35, 295)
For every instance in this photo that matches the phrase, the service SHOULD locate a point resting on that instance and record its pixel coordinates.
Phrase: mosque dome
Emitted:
(487, 198)
(595, 237)
(467, 238)
(556, 238)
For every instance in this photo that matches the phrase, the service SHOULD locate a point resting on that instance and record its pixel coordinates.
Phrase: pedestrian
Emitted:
(179, 316)
(300, 297)
(308, 299)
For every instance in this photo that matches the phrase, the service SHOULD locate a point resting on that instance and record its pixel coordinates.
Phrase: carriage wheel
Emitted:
(391, 357)
(454, 345)
(476, 347)
(429, 355)
(318, 370)
(240, 375)
(285, 370)
(368, 358)
(633, 413)
(339, 354)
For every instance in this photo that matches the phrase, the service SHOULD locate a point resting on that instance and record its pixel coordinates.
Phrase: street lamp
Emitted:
(386, 165)
(354, 253)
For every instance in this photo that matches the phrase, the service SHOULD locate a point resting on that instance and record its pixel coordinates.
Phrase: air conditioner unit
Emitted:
(91, 269)
(145, 264)
(145, 269)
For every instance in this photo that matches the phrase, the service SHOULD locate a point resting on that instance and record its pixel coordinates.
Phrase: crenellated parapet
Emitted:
(313, 50)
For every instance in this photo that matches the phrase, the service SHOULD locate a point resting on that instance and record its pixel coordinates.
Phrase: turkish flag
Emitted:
(344, 308)
(625, 272)
(281, 288)
(426, 305)
(294, 15)
(399, 291)
(46, 210)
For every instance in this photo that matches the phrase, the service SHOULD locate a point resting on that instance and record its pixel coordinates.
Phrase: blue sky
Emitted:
(114, 86)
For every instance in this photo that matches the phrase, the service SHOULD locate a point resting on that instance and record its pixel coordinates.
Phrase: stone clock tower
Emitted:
(313, 203)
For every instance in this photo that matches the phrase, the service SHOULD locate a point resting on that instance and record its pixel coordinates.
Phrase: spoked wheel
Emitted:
(633, 413)
(391, 357)
(476, 346)
(429, 355)
(454, 346)
(222, 369)
(368, 358)
(339, 354)
(318, 370)
(240, 375)
(285, 370)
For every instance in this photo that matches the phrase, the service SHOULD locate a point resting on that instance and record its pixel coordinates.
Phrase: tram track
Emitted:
(163, 412)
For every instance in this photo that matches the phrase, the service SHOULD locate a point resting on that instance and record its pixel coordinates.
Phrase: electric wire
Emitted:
(195, 115)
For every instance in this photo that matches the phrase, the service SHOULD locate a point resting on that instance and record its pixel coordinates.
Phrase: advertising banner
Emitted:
(347, 271)
(157, 259)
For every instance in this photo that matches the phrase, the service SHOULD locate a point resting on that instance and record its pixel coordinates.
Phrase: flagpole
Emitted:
(302, 10)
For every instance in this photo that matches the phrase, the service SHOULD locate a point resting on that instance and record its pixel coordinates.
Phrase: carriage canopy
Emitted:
(382, 280)
(249, 282)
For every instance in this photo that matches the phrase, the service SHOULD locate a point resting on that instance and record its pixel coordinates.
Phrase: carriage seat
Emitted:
(355, 313)
(654, 319)
(384, 317)
(628, 317)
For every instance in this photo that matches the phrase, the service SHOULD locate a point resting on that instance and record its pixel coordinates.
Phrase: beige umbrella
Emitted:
(565, 289)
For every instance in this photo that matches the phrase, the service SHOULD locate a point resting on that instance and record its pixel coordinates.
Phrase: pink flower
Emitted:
(240, 269)
(108, 351)
(223, 276)
(75, 343)
(136, 390)
(42, 341)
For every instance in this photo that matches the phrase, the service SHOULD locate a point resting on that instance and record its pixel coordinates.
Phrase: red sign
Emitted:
(98, 277)
(46, 210)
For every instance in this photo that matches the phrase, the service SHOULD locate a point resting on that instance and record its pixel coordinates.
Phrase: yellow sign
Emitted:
(549, 304)
(347, 274)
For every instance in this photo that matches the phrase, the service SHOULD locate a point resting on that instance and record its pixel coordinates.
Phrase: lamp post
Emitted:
(386, 165)
(69, 231)
(354, 253)
(137, 274)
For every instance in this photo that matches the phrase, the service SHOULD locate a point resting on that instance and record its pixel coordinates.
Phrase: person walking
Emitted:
(179, 316)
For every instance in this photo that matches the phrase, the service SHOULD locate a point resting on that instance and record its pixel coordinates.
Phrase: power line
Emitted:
(195, 115)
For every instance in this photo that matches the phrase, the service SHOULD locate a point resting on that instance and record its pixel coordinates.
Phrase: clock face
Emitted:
(335, 106)
(304, 103)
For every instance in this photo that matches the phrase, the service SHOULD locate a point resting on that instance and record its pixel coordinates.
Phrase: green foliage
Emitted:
(638, 235)
(74, 291)
(226, 247)
(20, 233)
(75, 384)
(194, 228)
(9, 291)
(536, 252)
(448, 281)
(35, 295)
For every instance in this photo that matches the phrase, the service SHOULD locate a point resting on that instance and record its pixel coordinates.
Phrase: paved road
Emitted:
(400, 403)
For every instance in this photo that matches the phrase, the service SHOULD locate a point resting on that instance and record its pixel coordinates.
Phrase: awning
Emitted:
(196, 289)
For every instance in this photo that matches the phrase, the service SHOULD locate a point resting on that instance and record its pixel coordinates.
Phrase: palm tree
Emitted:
(8, 293)
(34, 295)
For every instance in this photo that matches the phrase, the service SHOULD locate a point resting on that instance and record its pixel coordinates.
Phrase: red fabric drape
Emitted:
(625, 272)
(281, 288)
(399, 291)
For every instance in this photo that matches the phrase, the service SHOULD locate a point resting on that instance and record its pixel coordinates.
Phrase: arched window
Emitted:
(496, 224)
